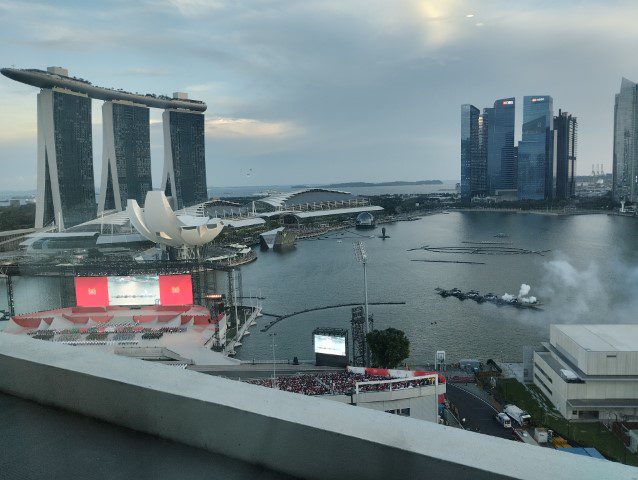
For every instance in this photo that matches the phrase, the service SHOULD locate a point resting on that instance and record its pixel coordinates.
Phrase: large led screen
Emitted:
(91, 291)
(330, 345)
(134, 290)
(176, 290)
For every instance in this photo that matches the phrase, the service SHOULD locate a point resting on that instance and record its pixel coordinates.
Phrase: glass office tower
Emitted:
(501, 164)
(184, 176)
(126, 158)
(469, 147)
(479, 181)
(536, 166)
(66, 190)
(566, 128)
(625, 169)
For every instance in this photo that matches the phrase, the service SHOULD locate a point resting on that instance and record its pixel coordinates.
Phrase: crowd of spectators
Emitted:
(342, 383)
(121, 333)
(123, 336)
(97, 336)
(152, 335)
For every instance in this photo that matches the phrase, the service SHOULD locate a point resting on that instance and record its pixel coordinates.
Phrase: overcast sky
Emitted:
(325, 90)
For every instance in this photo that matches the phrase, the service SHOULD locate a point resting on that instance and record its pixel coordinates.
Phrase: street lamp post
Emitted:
(274, 371)
(361, 256)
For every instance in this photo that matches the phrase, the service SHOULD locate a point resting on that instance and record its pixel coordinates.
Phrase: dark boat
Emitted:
(490, 298)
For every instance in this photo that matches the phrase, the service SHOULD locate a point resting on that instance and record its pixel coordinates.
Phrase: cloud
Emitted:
(248, 127)
(370, 82)
(188, 8)
(145, 72)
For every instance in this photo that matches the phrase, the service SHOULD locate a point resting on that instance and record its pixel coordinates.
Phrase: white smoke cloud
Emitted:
(522, 296)
(594, 293)
(524, 290)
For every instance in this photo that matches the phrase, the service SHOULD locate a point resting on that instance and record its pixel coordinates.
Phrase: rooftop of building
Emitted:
(303, 436)
(46, 443)
(57, 77)
(305, 196)
(603, 338)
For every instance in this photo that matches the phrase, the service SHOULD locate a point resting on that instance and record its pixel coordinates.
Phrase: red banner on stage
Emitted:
(176, 290)
(91, 291)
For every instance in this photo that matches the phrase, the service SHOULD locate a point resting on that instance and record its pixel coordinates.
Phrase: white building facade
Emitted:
(590, 372)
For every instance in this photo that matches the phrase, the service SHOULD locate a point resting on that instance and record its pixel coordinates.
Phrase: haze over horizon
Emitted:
(323, 91)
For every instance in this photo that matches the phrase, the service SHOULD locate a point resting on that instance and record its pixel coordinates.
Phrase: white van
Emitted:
(504, 420)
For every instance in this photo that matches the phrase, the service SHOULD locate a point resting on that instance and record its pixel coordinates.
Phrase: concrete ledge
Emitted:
(303, 436)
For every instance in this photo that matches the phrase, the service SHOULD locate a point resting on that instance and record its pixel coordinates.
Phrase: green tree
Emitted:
(388, 347)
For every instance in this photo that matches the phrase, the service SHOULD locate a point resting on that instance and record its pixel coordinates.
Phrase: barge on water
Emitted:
(503, 300)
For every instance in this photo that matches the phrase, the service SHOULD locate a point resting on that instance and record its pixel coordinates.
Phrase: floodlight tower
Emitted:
(361, 256)
(274, 371)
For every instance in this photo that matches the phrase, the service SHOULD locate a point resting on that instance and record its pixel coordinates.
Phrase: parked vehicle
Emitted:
(503, 420)
(519, 416)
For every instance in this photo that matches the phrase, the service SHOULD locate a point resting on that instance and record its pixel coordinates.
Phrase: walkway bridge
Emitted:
(279, 318)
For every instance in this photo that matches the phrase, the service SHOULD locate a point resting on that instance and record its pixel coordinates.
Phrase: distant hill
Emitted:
(383, 184)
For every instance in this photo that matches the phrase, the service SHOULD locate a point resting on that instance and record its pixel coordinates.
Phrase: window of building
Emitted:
(543, 372)
(404, 412)
(543, 384)
(588, 415)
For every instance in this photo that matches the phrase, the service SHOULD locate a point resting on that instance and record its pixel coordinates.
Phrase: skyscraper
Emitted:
(184, 177)
(625, 186)
(469, 147)
(566, 128)
(501, 164)
(66, 192)
(126, 157)
(536, 166)
(479, 180)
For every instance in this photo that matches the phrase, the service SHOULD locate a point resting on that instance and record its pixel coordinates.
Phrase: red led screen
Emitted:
(176, 290)
(91, 291)
(94, 291)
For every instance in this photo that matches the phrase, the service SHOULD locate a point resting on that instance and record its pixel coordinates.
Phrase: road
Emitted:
(477, 412)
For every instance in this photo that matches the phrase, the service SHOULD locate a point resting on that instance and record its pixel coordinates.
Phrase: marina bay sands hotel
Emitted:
(66, 187)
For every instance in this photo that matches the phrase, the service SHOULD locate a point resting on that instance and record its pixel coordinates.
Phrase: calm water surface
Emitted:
(590, 276)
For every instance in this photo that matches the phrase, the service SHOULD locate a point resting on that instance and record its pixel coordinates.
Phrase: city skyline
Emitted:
(300, 99)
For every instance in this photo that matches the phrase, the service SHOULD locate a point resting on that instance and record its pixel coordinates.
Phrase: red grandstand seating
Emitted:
(201, 319)
(77, 319)
(28, 322)
(173, 308)
(102, 318)
(144, 318)
(87, 309)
